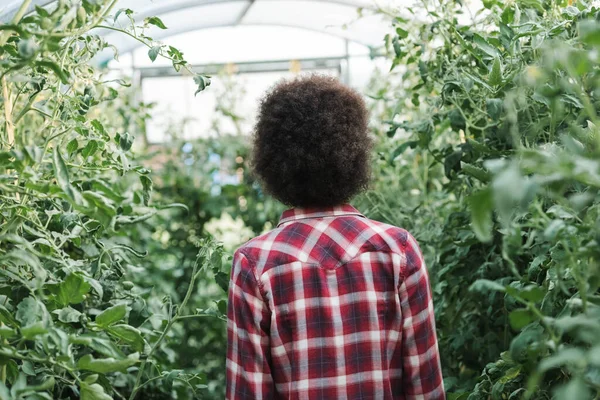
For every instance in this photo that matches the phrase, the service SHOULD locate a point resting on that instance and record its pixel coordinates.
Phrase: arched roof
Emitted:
(334, 17)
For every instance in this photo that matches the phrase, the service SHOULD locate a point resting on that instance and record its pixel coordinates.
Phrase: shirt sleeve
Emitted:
(421, 370)
(248, 323)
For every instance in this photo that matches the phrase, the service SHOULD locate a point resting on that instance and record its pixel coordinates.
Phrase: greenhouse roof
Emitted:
(338, 18)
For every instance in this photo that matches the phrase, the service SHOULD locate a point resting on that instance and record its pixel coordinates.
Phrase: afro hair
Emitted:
(311, 146)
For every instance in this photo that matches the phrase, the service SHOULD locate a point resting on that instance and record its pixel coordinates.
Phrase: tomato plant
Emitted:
(493, 127)
(73, 324)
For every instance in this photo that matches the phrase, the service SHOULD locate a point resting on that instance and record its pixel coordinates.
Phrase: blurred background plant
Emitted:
(492, 141)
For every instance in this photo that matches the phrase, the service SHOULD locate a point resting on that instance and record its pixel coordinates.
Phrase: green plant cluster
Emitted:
(191, 172)
(492, 161)
(75, 220)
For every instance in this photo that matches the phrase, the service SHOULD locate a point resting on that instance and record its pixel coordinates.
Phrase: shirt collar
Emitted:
(294, 214)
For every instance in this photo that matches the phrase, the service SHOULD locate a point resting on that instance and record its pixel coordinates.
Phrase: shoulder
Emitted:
(257, 251)
(391, 238)
(399, 241)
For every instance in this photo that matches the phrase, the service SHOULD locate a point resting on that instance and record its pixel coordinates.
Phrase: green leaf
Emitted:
(90, 148)
(68, 315)
(111, 315)
(589, 32)
(106, 365)
(476, 172)
(222, 280)
(485, 46)
(60, 73)
(140, 254)
(61, 172)
(222, 306)
(402, 34)
(97, 125)
(73, 290)
(5, 158)
(216, 260)
(534, 4)
(154, 52)
(72, 146)
(494, 108)
(202, 81)
(126, 141)
(478, 80)
(170, 377)
(108, 191)
(7, 332)
(156, 22)
(129, 335)
(173, 205)
(481, 205)
(397, 49)
(485, 285)
(402, 148)
(520, 318)
(93, 392)
(127, 12)
(575, 389)
(101, 202)
(146, 187)
(29, 311)
(47, 384)
(102, 345)
(27, 368)
(532, 293)
(495, 77)
(569, 355)
(12, 372)
(32, 330)
(20, 257)
(511, 191)
(7, 318)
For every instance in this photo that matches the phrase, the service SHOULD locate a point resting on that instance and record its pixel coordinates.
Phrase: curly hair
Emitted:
(311, 146)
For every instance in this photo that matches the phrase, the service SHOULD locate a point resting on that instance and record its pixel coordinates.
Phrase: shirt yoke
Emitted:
(328, 242)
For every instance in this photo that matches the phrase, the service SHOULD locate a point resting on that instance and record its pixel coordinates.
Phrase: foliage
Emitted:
(501, 188)
(73, 325)
(488, 153)
(210, 175)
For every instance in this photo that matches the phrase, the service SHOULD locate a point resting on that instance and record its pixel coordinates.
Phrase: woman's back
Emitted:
(331, 305)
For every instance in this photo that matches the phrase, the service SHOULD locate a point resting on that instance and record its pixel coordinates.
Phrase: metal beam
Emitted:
(245, 11)
(7, 13)
(129, 44)
(307, 64)
(179, 6)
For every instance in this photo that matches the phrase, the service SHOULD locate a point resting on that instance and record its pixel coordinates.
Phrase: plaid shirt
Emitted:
(331, 305)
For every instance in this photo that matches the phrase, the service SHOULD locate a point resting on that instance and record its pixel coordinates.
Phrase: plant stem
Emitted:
(10, 128)
(26, 108)
(85, 29)
(145, 43)
(138, 385)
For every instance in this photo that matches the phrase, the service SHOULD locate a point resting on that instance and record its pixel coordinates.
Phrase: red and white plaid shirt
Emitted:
(331, 305)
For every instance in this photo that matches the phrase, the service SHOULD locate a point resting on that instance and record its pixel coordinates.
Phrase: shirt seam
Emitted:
(292, 219)
(259, 284)
(401, 269)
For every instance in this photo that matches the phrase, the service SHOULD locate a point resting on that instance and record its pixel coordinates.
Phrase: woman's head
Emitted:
(311, 146)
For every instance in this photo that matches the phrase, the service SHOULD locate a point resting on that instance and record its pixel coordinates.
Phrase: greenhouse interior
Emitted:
(127, 185)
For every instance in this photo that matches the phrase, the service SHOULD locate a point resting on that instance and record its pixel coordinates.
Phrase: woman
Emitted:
(329, 304)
